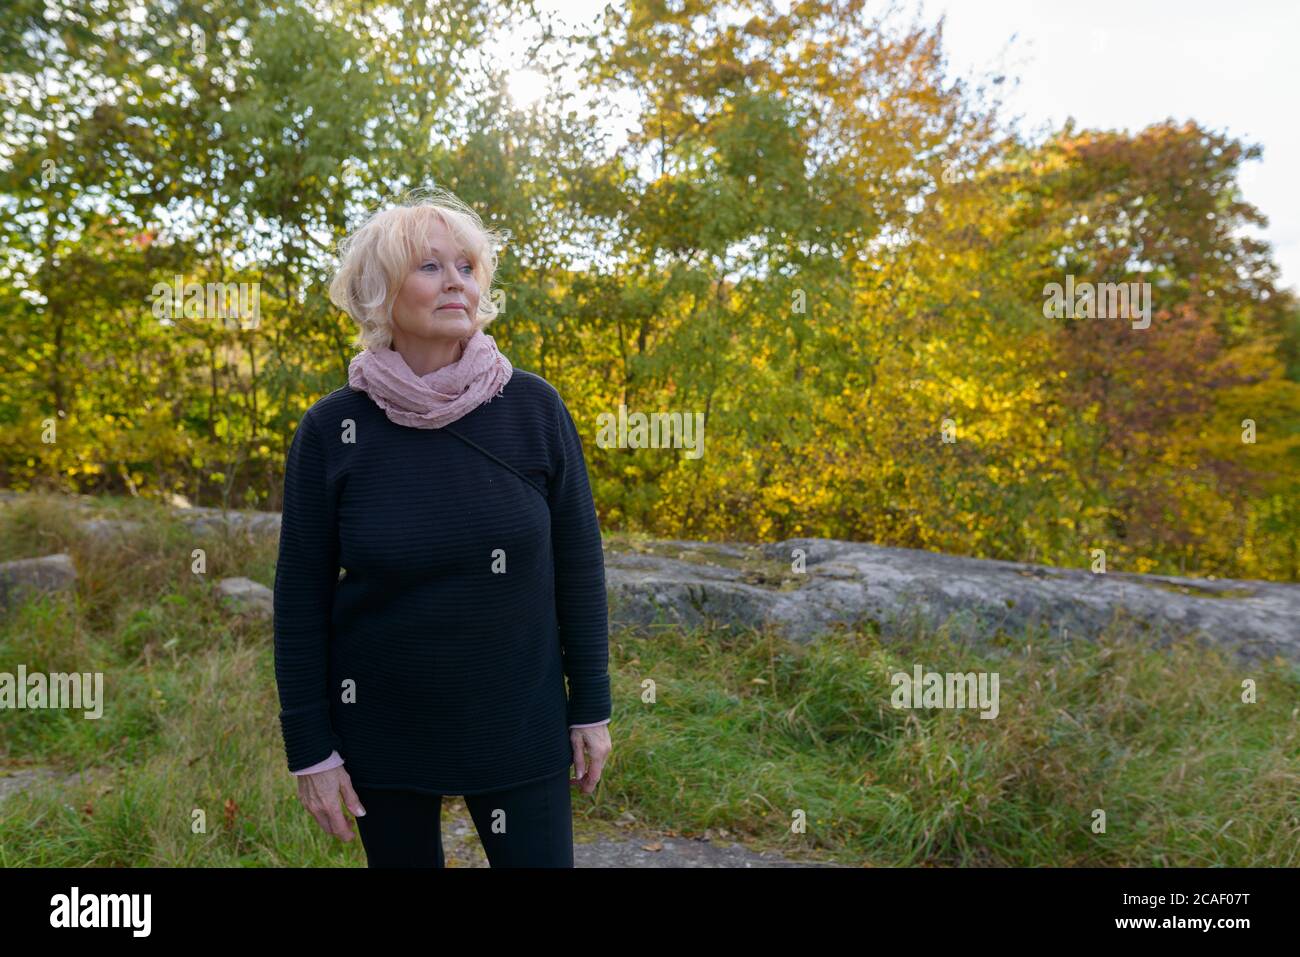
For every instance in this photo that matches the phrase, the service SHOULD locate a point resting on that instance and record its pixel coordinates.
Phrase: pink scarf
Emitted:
(438, 398)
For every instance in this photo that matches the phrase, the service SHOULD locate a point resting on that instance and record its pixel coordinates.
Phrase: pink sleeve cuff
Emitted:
(593, 725)
(333, 761)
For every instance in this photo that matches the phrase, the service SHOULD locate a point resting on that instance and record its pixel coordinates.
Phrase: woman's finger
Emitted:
(323, 820)
(350, 798)
(579, 758)
(340, 826)
(597, 764)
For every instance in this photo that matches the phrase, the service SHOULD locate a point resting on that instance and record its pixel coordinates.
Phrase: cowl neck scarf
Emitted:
(439, 397)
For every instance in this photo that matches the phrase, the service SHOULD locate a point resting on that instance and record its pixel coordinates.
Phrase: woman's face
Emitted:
(439, 281)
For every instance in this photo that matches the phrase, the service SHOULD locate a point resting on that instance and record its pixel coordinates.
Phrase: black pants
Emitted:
(528, 826)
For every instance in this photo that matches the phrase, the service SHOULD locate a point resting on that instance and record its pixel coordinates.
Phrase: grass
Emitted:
(735, 731)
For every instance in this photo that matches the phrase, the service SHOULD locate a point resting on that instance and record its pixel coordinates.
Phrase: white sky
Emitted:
(1121, 64)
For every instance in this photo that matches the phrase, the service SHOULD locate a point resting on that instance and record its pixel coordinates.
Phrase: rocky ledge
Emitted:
(803, 587)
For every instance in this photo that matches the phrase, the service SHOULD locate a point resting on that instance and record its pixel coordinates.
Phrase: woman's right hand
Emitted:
(319, 794)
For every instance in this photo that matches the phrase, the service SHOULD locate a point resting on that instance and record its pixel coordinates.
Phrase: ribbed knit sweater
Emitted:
(472, 585)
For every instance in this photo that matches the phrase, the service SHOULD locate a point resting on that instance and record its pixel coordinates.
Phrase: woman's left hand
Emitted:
(596, 744)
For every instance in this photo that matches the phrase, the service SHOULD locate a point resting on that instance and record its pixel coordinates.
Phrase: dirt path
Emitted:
(601, 844)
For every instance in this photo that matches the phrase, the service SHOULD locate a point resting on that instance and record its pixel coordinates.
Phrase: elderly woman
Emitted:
(450, 488)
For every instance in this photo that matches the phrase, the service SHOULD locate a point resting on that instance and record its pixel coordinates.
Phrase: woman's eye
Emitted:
(470, 268)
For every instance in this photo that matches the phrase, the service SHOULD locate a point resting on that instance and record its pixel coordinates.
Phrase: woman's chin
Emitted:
(453, 324)
(446, 329)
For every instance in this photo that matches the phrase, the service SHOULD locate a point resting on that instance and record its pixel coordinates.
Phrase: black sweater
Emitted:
(470, 590)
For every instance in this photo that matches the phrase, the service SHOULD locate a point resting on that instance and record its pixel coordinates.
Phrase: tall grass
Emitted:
(735, 731)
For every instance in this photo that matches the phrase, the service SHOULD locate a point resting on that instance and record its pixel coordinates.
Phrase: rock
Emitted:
(199, 520)
(107, 528)
(247, 595)
(203, 519)
(852, 583)
(46, 575)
